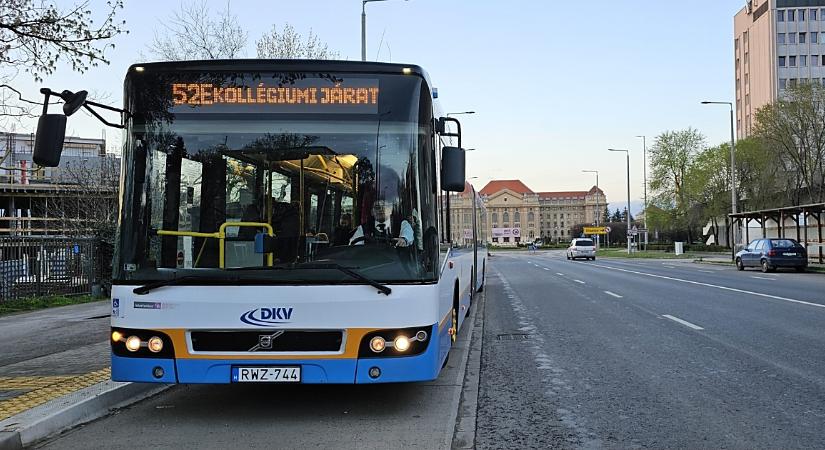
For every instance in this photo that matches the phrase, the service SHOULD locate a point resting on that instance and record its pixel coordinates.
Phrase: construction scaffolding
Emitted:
(800, 218)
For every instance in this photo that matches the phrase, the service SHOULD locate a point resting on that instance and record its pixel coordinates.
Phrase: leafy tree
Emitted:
(794, 128)
(617, 216)
(193, 33)
(623, 216)
(606, 215)
(36, 36)
(671, 157)
(707, 185)
(758, 170)
(288, 44)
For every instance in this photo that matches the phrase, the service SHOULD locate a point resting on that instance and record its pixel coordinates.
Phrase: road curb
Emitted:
(718, 263)
(71, 410)
(465, 357)
(465, 427)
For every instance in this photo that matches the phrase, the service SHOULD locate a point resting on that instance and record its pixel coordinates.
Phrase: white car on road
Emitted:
(581, 248)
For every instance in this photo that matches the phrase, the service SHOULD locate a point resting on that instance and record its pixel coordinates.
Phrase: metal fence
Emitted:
(33, 266)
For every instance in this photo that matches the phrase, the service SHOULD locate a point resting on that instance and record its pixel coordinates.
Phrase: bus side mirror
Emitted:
(48, 145)
(452, 169)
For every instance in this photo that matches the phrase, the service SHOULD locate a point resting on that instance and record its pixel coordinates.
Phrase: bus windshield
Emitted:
(262, 171)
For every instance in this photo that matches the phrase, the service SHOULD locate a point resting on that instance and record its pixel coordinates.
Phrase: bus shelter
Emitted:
(802, 222)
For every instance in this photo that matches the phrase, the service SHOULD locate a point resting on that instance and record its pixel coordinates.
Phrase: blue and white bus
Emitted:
(287, 221)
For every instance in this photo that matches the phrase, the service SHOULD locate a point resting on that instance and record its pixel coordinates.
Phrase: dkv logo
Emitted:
(264, 317)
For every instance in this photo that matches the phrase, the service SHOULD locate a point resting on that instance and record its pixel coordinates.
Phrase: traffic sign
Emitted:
(596, 230)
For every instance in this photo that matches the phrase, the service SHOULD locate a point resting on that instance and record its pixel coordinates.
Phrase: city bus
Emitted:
(288, 222)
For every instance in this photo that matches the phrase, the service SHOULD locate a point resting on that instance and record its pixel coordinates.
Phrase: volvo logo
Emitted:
(265, 341)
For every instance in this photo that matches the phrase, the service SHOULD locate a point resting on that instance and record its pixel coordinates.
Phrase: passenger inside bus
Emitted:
(343, 232)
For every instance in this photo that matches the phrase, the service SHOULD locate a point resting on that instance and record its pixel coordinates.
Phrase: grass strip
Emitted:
(35, 303)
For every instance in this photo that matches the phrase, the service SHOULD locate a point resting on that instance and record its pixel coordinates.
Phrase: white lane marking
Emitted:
(559, 274)
(683, 322)
(763, 278)
(706, 271)
(579, 281)
(612, 294)
(545, 268)
(724, 288)
(669, 267)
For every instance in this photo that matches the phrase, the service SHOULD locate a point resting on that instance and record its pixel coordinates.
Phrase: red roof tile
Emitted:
(499, 185)
(596, 189)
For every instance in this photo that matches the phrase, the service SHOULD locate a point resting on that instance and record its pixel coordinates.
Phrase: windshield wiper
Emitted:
(381, 287)
(146, 288)
(386, 290)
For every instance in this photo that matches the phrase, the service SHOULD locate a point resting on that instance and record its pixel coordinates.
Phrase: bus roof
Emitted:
(285, 65)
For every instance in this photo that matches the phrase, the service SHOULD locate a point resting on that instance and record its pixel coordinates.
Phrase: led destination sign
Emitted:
(265, 98)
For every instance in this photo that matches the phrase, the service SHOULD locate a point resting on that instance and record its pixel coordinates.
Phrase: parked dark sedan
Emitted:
(768, 254)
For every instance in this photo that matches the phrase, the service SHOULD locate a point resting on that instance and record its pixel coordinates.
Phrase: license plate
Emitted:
(789, 254)
(266, 374)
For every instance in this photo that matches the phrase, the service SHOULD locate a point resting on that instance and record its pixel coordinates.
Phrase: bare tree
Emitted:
(794, 127)
(85, 204)
(193, 33)
(35, 36)
(289, 44)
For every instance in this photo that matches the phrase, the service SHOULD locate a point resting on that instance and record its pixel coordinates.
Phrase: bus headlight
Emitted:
(133, 343)
(378, 344)
(117, 336)
(401, 343)
(155, 344)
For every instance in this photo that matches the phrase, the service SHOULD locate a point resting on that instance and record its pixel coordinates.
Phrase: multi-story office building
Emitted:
(517, 214)
(777, 44)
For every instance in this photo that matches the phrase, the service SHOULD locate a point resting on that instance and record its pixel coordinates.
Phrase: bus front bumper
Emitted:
(422, 367)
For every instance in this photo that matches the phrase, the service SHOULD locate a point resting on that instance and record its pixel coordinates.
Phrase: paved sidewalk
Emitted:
(54, 372)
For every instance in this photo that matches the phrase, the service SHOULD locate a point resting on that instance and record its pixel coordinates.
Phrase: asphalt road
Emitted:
(610, 353)
(650, 354)
(55, 341)
(410, 416)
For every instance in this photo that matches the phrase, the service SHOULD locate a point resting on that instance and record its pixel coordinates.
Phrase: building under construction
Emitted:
(55, 201)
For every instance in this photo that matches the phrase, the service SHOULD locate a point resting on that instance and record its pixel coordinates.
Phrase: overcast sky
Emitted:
(554, 83)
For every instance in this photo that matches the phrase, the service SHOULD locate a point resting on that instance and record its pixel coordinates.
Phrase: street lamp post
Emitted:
(364, 27)
(628, 194)
(644, 158)
(598, 211)
(462, 112)
(732, 174)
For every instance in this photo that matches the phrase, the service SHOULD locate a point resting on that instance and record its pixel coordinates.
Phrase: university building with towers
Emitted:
(517, 214)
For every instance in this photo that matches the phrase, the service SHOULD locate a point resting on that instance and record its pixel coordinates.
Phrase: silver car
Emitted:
(582, 248)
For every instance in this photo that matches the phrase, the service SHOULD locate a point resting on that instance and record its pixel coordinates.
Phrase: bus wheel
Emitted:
(454, 329)
(472, 295)
(483, 276)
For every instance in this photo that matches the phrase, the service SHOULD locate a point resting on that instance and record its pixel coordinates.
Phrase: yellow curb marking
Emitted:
(44, 389)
